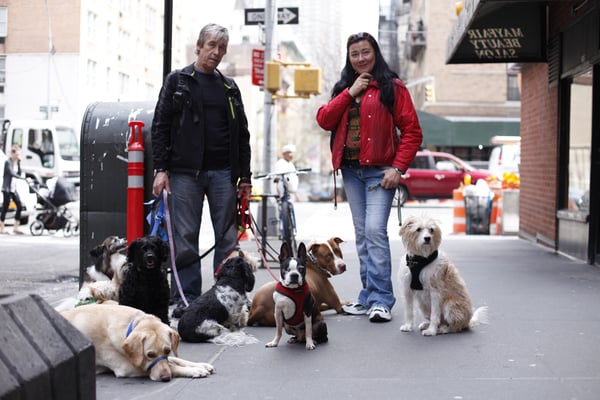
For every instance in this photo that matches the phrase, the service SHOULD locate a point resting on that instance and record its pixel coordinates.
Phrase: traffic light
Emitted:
(429, 93)
(272, 76)
(307, 81)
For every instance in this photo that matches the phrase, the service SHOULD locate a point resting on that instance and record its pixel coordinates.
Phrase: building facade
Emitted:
(58, 56)
(556, 45)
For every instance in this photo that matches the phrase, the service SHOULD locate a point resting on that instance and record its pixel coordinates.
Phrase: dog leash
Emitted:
(171, 246)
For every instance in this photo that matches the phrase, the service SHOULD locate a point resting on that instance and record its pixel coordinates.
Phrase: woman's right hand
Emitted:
(360, 84)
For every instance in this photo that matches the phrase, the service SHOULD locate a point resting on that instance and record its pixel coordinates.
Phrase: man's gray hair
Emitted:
(213, 30)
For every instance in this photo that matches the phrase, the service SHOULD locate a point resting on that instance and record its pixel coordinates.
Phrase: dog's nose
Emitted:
(342, 268)
(427, 239)
(294, 278)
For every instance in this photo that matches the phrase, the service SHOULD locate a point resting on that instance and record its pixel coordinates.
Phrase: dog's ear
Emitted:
(97, 251)
(337, 240)
(164, 249)
(249, 278)
(132, 250)
(406, 225)
(133, 347)
(302, 253)
(174, 336)
(284, 252)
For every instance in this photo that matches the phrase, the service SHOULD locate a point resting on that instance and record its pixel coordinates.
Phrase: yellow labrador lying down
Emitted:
(132, 343)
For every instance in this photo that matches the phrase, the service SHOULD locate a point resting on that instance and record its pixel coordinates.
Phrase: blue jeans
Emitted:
(187, 200)
(370, 213)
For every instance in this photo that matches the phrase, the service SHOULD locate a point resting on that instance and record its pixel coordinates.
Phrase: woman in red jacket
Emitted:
(375, 136)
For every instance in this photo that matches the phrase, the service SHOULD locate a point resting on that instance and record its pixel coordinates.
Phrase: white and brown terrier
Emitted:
(433, 281)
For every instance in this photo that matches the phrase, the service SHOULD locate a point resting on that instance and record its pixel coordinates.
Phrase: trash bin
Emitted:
(478, 208)
(477, 213)
(105, 136)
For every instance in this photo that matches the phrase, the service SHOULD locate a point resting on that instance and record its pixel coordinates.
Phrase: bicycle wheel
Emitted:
(288, 226)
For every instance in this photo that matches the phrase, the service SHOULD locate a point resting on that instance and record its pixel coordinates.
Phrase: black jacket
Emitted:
(176, 144)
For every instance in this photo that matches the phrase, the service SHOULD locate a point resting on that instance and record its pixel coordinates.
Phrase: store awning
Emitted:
(464, 131)
(499, 31)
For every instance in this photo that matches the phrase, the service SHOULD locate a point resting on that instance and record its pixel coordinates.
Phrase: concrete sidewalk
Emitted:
(542, 343)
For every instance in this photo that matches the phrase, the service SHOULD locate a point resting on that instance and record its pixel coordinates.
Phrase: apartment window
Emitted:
(3, 21)
(513, 93)
(92, 20)
(2, 70)
(91, 73)
(123, 84)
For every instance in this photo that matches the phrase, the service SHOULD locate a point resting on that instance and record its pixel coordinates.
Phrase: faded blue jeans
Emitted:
(187, 200)
(370, 213)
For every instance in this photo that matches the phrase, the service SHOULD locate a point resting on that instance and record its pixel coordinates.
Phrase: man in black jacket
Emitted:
(201, 147)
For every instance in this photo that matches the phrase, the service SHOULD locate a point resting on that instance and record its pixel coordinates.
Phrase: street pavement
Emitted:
(541, 343)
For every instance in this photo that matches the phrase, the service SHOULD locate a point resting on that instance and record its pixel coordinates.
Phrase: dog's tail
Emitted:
(237, 338)
(480, 316)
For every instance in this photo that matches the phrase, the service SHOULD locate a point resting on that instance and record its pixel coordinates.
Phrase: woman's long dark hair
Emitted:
(381, 72)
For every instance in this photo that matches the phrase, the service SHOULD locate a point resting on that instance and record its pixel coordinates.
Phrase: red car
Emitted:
(434, 175)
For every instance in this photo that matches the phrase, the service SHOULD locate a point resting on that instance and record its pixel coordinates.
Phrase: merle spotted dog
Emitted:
(145, 285)
(221, 309)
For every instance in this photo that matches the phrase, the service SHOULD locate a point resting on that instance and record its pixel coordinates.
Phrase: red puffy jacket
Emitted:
(380, 144)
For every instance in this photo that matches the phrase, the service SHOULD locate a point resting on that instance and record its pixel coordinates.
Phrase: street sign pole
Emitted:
(269, 109)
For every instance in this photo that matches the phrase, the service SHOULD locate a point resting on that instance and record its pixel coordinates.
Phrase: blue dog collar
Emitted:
(153, 363)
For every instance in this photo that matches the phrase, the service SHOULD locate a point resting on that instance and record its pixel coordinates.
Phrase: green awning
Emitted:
(467, 131)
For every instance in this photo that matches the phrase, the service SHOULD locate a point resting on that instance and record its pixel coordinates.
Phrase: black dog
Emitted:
(295, 307)
(223, 308)
(145, 285)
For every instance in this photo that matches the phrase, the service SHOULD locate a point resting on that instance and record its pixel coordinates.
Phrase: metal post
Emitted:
(269, 109)
(167, 37)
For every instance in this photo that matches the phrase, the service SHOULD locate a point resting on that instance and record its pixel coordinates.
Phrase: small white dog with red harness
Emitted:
(431, 280)
(295, 307)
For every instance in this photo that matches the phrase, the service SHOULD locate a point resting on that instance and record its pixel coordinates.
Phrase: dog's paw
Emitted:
(423, 325)
(406, 327)
(310, 345)
(293, 339)
(271, 344)
(429, 332)
(201, 371)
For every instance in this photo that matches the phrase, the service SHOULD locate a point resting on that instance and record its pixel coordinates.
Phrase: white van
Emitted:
(506, 156)
(49, 148)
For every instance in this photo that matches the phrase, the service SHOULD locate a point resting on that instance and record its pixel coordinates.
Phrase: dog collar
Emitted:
(129, 328)
(314, 260)
(153, 363)
(416, 264)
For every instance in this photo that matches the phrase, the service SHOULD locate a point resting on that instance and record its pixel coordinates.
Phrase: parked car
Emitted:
(435, 175)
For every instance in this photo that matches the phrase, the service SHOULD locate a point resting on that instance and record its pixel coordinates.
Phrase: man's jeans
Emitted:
(370, 205)
(187, 201)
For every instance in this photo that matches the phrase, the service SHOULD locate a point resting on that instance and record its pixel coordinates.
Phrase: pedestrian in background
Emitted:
(12, 169)
(375, 136)
(286, 164)
(201, 147)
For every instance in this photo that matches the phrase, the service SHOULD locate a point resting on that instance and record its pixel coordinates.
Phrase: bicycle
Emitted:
(287, 216)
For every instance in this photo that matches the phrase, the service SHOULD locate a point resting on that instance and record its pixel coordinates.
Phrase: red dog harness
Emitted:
(297, 296)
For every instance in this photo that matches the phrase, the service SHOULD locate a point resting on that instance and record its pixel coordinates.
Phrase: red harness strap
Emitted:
(297, 296)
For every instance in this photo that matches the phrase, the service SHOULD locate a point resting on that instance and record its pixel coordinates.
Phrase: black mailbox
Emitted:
(105, 134)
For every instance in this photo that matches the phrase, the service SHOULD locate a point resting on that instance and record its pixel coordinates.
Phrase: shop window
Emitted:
(580, 141)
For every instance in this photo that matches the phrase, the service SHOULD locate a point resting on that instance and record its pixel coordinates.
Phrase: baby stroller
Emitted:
(55, 215)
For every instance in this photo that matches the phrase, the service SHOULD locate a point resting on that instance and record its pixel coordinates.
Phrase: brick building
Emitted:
(556, 45)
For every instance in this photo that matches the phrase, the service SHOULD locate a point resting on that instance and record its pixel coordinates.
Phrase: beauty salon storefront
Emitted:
(556, 47)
